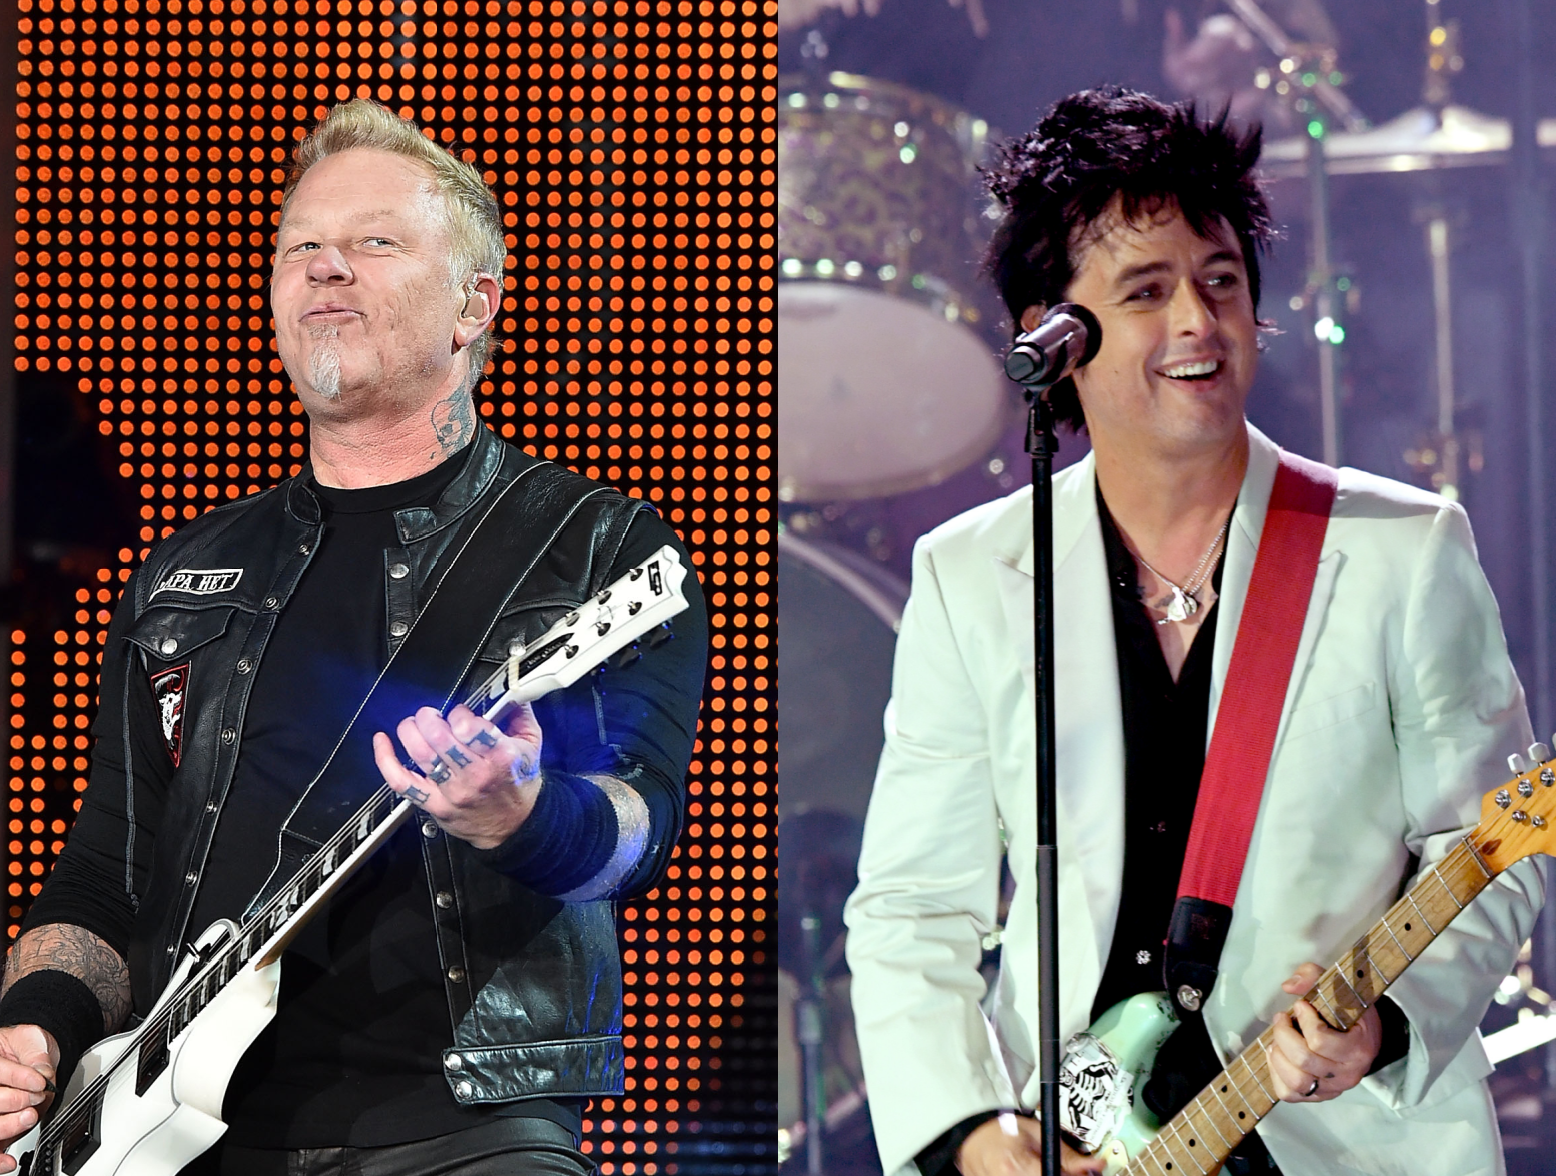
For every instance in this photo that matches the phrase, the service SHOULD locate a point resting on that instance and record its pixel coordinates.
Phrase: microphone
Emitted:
(1067, 338)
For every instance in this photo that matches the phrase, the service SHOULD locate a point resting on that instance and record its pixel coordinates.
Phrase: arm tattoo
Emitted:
(61, 947)
(453, 421)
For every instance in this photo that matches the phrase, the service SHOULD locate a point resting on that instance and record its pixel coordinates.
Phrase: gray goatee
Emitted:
(324, 362)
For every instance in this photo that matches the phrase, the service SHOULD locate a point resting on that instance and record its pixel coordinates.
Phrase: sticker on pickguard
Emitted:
(1094, 1092)
(168, 688)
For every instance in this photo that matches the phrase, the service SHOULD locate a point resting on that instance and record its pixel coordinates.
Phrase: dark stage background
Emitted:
(1001, 63)
(632, 149)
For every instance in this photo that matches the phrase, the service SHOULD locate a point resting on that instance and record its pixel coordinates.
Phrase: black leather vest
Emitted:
(533, 984)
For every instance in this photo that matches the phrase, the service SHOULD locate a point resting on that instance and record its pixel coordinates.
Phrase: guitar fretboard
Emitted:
(73, 1127)
(1200, 1137)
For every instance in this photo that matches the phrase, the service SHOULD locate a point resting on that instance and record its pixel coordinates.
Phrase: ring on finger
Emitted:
(439, 772)
(483, 739)
(1311, 1090)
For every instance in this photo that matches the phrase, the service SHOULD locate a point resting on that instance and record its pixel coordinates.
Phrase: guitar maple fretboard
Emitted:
(1200, 1137)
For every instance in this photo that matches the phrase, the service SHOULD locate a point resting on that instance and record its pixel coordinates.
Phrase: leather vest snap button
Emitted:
(244, 665)
(444, 900)
(456, 973)
(429, 829)
(191, 878)
(271, 601)
(398, 571)
(303, 549)
(399, 629)
(229, 736)
(454, 1062)
(465, 1089)
(168, 647)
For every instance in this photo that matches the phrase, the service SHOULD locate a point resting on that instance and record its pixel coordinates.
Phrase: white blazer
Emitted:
(1401, 712)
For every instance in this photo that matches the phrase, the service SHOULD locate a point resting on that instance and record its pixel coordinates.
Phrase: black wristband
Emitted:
(61, 1005)
(567, 839)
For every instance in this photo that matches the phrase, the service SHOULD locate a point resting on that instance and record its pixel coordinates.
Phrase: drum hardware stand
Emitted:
(810, 1018)
(1530, 227)
(1322, 280)
(1446, 447)
(1312, 85)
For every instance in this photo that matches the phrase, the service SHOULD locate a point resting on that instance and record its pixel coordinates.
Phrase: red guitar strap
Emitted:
(1247, 720)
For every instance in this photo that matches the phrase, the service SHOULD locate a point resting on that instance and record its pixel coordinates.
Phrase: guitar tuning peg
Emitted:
(1516, 764)
(1539, 752)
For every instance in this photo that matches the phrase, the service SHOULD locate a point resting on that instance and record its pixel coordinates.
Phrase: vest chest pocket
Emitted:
(167, 637)
(171, 634)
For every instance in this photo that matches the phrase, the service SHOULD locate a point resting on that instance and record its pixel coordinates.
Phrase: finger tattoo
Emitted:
(439, 772)
(416, 794)
(458, 758)
(482, 739)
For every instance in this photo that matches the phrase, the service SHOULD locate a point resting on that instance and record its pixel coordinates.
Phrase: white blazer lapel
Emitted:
(1090, 737)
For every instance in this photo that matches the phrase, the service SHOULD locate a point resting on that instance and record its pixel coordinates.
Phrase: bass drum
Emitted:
(837, 615)
(885, 382)
(837, 619)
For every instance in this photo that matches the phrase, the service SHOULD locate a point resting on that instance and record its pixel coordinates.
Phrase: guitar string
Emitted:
(84, 1101)
(1160, 1142)
(1467, 847)
(71, 1115)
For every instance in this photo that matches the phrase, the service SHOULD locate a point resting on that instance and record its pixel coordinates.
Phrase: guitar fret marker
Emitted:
(1419, 911)
(1402, 949)
(1340, 975)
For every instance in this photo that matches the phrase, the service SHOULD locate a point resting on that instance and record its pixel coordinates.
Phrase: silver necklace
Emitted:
(1183, 602)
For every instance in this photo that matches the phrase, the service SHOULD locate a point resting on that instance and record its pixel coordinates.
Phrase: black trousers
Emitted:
(500, 1147)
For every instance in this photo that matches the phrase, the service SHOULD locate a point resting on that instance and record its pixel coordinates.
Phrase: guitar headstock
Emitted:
(1518, 820)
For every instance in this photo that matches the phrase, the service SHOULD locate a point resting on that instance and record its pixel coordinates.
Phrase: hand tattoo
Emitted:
(453, 421)
(417, 795)
(456, 757)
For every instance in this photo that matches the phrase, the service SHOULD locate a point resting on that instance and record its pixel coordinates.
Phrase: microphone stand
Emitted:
(1042, 444)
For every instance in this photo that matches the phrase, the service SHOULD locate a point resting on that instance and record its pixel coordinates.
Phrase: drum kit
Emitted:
(889, 381)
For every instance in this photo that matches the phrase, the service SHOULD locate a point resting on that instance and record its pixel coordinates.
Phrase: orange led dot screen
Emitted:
(632, 147)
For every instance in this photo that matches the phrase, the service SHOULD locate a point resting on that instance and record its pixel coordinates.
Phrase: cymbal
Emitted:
(1415, 141)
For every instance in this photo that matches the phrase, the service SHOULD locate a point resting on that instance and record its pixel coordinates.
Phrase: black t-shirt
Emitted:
(354, 1055)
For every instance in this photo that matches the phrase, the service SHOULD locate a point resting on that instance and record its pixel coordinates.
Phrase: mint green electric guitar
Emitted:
(1106, 1067)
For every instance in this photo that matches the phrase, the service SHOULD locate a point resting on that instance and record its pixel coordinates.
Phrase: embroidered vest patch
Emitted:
(168, 687)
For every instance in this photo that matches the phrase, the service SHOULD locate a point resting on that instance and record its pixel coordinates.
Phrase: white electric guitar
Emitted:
(1106, 1068)
(146, 1102)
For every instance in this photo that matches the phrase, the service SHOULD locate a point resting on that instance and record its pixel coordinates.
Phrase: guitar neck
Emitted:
(1199, 1138)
